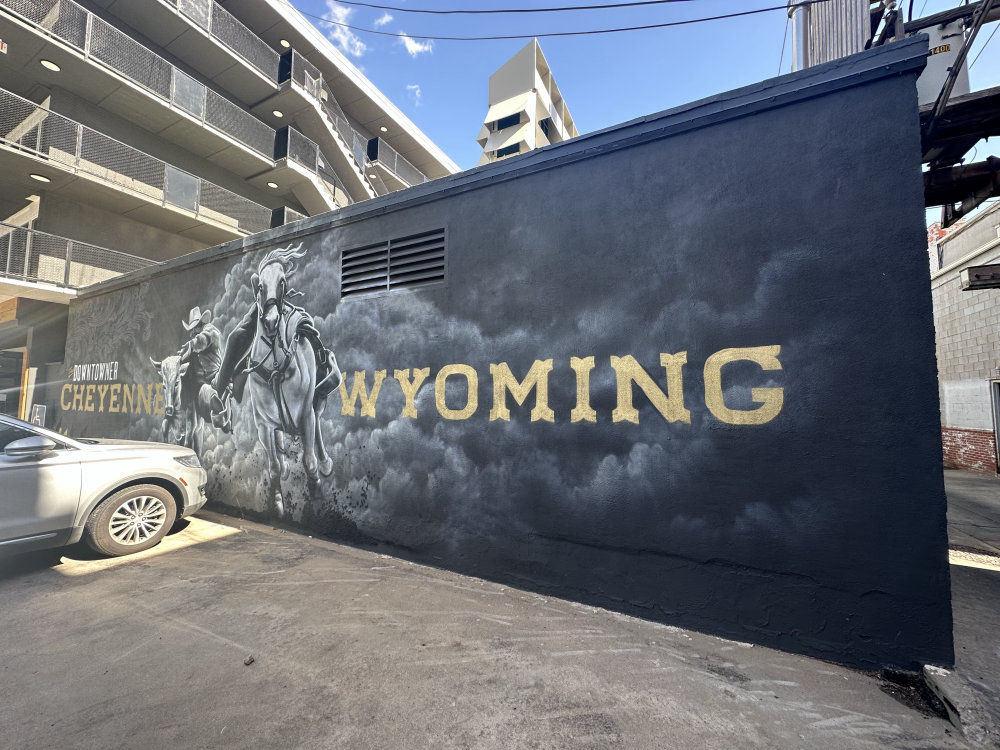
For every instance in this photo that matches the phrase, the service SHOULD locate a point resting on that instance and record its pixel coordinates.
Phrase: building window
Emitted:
(508, 150)
(509, 121)
(546, 124)
(411, 261)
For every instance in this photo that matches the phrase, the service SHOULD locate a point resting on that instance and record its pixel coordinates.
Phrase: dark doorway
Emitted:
(11, 374)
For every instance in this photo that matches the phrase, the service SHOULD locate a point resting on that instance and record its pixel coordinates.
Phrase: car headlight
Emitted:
(190, 460)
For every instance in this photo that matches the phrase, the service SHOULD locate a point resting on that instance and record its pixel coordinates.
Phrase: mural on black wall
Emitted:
(691, 401)
(186, 380)
(275, 356)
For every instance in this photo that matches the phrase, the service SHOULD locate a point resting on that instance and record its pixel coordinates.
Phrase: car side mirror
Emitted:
(29, 446)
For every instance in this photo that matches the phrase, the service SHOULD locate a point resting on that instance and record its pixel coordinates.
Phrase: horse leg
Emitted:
(309, 426)
(198, 435)
(282, 453)
(325, 462)
(265, 434)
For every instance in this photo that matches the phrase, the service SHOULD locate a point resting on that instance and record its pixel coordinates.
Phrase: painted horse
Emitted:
(289, 374)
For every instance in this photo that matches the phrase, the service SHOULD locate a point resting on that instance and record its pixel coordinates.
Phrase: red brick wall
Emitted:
(972, 450)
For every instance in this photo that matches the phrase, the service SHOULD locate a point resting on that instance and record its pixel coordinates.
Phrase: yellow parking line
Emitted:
(981, 560)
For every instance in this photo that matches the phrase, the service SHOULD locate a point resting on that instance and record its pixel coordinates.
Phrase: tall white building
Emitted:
(136, 131)
(526, 108)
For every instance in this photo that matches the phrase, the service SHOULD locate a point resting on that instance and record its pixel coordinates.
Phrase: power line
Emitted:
(983, 48)
(397, 9)
(644, 27)
(784, 38)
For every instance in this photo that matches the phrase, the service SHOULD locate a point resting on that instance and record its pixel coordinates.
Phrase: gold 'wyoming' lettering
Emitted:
(629, 374)
(537, 379)
(360, 391)
(472, 391)
(770, 399)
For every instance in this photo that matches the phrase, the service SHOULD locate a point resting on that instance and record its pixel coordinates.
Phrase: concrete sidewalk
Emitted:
(974, 538)
(973, 511)
(354, 649)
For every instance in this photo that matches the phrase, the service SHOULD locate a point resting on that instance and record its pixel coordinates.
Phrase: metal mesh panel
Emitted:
(59, 138)
(228, 30)
(238, 123)
(398, 165)
(250, 216)
(359, 147)
(306, 74)
(199, 11)
(340, 122)
(14, 251)
(123, 165)
(90, 264)
(38, 256)
(188, 94)
(47, 258)
(131, 59)
(333, 181)
(61, 18)
(302, 150)
(18, 126)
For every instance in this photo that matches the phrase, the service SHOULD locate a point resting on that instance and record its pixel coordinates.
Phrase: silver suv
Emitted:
(122, 496)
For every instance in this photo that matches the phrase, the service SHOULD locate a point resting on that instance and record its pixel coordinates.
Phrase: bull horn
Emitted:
(155, 363)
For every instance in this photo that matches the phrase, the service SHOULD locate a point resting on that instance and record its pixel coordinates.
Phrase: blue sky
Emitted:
(605, 79)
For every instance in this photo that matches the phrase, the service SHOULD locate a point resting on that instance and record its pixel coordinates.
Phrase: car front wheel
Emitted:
(131, 520)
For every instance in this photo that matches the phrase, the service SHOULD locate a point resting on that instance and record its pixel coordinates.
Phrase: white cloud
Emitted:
(382, 20)
(343, 38)
(415, 93)
(414, 47)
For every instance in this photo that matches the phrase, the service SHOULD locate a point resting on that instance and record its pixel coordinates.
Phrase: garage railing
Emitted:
(380, 152)
(68, 146)
(99, 41)
(224, 27)
(30, 255)
(306, 153)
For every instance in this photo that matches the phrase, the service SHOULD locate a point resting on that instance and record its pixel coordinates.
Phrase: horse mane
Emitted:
(286, 256)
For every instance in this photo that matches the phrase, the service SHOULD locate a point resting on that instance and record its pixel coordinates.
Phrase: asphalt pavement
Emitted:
(233, 634)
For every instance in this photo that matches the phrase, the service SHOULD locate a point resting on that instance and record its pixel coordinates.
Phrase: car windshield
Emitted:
(10, 426)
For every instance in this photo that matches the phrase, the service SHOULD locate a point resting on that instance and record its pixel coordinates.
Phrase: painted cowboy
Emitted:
(203, 351)
(230, 380)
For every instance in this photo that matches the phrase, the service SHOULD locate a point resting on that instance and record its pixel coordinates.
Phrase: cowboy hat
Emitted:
(196, 317)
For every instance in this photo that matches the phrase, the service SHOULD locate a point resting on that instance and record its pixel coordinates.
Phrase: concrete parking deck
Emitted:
(354, 649)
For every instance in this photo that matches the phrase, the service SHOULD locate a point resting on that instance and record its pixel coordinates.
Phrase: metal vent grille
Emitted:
(405, 262)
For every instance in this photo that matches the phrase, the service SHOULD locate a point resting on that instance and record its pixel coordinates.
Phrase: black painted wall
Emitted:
(785, 219)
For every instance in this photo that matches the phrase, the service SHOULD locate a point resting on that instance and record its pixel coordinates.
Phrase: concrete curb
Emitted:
(965, 709)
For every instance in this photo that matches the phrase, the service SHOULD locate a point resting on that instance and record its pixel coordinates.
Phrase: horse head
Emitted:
(171, 371)
(270, 285)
